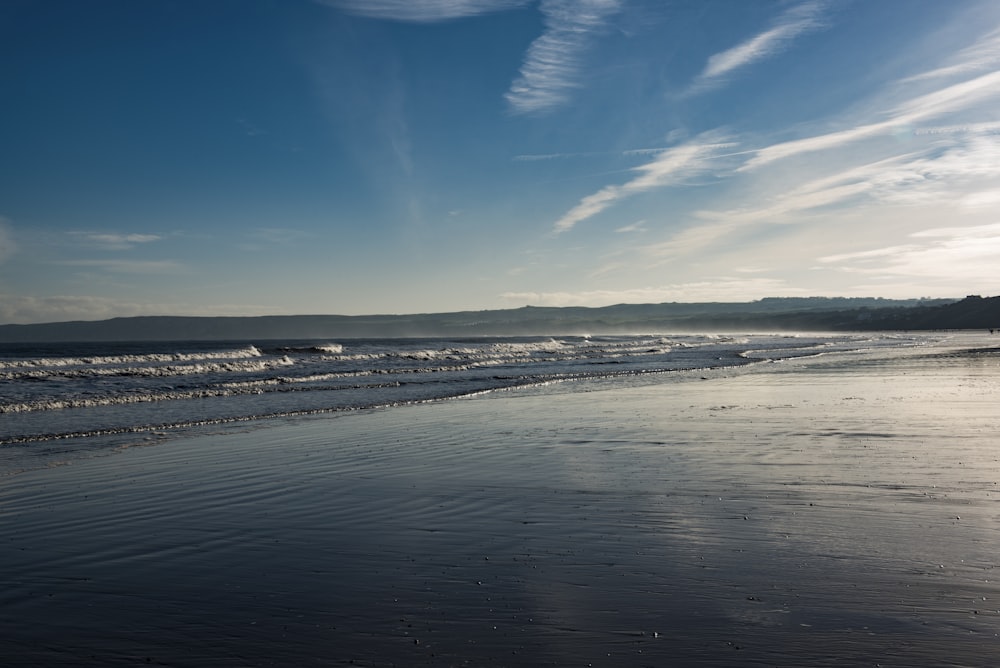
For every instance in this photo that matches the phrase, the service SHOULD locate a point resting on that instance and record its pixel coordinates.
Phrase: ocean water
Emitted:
(838, 510)
(89, 395)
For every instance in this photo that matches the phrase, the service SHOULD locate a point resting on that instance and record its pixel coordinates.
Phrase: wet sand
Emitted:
(841, 510)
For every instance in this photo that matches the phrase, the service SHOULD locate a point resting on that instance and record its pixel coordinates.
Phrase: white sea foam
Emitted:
(146, 371)
(327, 348)
(110, 360)
(117, 400)
(330, 376)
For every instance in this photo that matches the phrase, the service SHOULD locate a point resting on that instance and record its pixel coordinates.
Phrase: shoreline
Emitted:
(822, 511)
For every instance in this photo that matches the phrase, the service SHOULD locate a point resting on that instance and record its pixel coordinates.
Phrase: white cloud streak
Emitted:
(128, 266)
(955, 98)
(24, 309)
(892, 164)
(537, 157)
(726, 288)
(889, 251)
(638, 226)
(793, 23)
(551, 68)
(965, 128)
(991, 231)
(932, 176)
(116, 241)
(422, 11)
(670, 167)
(983, 55)
(689, 241)
(967, 255)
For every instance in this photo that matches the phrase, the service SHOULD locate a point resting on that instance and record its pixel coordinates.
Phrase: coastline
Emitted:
(832, 510)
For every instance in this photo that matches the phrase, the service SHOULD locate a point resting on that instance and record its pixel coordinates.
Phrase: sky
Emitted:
(250, 157)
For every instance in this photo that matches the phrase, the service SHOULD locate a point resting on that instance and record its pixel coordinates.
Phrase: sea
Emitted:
(57, 399)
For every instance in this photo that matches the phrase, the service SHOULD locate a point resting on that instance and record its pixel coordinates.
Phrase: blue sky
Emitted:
(245, 157)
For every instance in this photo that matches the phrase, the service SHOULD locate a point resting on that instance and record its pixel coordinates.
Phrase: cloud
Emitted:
(913, 173)
(991, 231)
(956, 97)
(812, 144)
(116, 241)
(794, 22)
(250, 129)
(961, 255)
(268, 238)
(687, 242)
(638, 226)
(951, 99)
(128, 266)
(589, 206)
(722, 288)
(992, 127)
(670, 167)
(939, 174)
(939, 180)
(536, 157)
(984, 54)
(422, 11)
(22, 309)
(551, 66)
(983, 200)
(837, 188)
(889, 251)
(281, 235)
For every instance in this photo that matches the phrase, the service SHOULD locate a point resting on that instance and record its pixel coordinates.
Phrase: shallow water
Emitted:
(835, 511)
(87, 392)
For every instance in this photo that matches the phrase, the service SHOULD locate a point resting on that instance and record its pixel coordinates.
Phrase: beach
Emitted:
(832, 510)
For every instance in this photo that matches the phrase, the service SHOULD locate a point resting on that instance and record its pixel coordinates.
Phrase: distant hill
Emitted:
(771, 314)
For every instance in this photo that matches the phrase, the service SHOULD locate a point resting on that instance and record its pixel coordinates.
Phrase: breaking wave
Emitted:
(51, 391)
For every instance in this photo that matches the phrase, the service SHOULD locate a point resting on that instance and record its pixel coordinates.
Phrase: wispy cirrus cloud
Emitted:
(670, 167)
(792, 23)
(892, 166)
(888, 251)
(128, 266)
(113, 241)
(689, 241)
(837, 188)
(983, 54)
(966, 255)
(552, 64)
(422, 11)
(23, 309)
(638, 226)
(732, 288)
(538, 157)
(551, 68)
(992, 127)
(951, 99)
(959, 173)
(267, 238)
